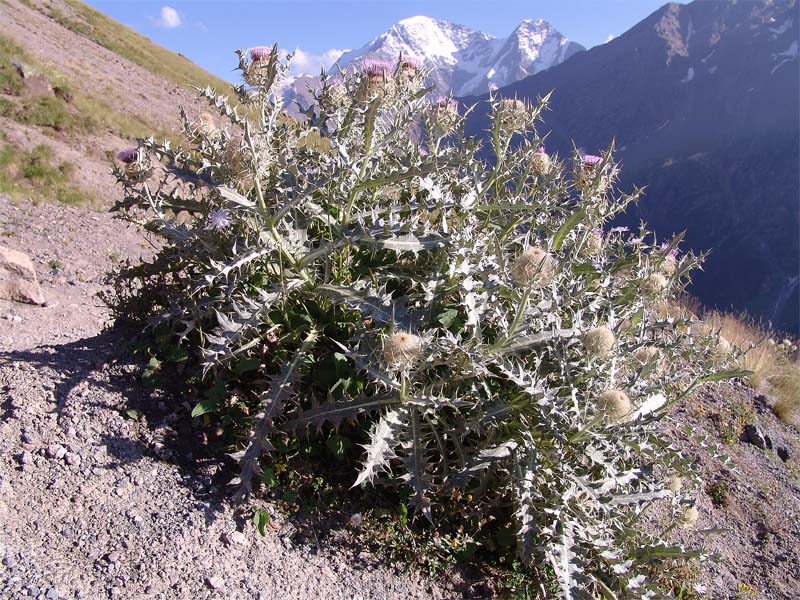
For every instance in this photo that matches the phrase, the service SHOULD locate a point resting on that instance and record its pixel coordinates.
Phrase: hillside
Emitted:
(702, 102)
(75, 88)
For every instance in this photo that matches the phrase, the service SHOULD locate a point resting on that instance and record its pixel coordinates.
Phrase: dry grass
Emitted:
(774, 363)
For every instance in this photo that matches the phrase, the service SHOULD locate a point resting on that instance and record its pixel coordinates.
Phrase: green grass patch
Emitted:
(35, 173)
(10, 79)
(47, 111)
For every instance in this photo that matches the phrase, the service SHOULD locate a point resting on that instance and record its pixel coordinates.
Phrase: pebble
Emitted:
(52, 594)
(215, 583)
(27, 438)
(26, 458)
(55, 451)
(235, 538)
(71, 458)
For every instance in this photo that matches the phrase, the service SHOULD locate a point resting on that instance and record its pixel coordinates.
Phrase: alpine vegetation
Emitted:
(499, 347)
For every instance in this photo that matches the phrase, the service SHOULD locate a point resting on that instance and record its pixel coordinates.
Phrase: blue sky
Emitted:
(208, 31)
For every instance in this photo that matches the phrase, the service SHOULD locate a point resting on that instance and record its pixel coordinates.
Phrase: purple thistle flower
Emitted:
(619, 229)
(598, 231)
(423, 151)
(672, 253)
(449, 104)
(376, 68)
(128, 155)
(590, 160)
(540, 149)
(409, 63)
(260, 53)
(219, 219)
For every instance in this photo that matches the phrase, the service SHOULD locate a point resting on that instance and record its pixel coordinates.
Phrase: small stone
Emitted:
(215, 583)
(113, 557)
(71, 458)
(52, 594)
(752, 435)
(27, 438)
(783, 453)
(55, 451)
(235, 538)
(26, 458)
(18, 278)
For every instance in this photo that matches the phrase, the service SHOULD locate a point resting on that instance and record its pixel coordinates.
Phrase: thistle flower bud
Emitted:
(613, 406)
(599, 341)
(674, 484)
(408, 68)
(646, 354)
(206, 125)
(258, 68)
(669, 264)
(137, 166)
(588, 169)
(445, 115)
(594, 242)
(654, 284)
(513, 114)
(540, 163)
(401, 349)
(377, 80)
(690, 517)
(534, 268)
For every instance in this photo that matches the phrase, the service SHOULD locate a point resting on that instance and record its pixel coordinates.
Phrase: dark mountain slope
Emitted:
(702, 100)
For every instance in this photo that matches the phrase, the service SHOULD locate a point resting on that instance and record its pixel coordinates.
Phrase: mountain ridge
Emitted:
(702, 101)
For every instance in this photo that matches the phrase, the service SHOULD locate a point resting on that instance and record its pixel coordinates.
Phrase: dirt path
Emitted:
(96, 505)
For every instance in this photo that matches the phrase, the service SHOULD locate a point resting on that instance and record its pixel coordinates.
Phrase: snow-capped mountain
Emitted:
(465, 61)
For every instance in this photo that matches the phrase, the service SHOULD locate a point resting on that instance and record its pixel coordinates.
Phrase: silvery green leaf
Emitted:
(406, 243)
(380, 449)
(235, 197)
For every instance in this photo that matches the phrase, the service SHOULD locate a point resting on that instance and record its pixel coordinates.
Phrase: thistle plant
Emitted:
(471, 318)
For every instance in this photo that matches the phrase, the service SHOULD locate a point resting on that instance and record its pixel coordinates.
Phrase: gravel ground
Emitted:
(94, 504)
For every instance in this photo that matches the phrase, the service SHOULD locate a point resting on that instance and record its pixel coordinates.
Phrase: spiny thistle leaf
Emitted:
(380, 449)
(272, 402)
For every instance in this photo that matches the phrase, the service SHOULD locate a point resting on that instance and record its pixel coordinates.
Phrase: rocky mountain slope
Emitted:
(83, 86)
(462, 60)
(702, 100)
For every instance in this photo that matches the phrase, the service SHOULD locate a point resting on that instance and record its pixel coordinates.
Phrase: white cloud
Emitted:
(168, 18)
(609, 38)
(306, 63)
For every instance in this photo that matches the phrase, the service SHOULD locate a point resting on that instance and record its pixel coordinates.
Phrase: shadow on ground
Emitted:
(101, 373)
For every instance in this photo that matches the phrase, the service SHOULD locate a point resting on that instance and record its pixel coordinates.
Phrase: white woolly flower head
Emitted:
(513, 114)
(594, 242)
(646, 354)
(534, 268)
(540, 162)
(401, 349)
(599, 341)
(690, 517)
(674, 484)
(654, 284)
(206, 125)
(613, 406)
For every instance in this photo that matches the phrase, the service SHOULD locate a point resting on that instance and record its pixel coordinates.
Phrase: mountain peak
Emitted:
(418, 20)
(463, 60)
